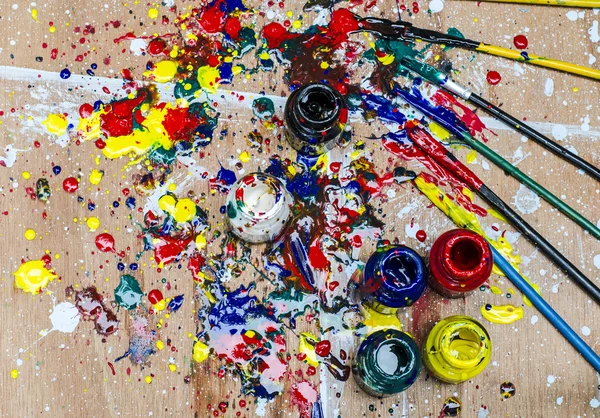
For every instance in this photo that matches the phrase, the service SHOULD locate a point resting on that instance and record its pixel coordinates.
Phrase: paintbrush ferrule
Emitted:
(436, 77)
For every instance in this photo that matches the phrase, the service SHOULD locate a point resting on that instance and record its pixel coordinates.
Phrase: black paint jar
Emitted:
(315, 117)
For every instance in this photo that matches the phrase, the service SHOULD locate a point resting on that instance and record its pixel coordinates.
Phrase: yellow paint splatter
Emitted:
(172, 367)
(93, 223)
(29, 234)
(160, 345)
(495, 290)
(14, 373)
(439, 131)
(201, 352)
(148, 379)
(505, 314)
(152, 13)
(376, 321)
(96, 176)
(324, 65)
(33, 276)
(496, 214)
(307, 347)
(200, 241)
(244, 156)
(56, 124)
(34, 14)
(182, 210)
(471, 156)
(26, 175)
(163, 71)
(208, 77)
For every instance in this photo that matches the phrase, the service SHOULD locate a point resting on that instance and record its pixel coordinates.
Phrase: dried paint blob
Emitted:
(526, 201)
(65, 317)
(520, 41)
(436, 6)
(507, 390)
(505, 314)
(33, 276)
(493, 77)
(559, 132)
(451, 407)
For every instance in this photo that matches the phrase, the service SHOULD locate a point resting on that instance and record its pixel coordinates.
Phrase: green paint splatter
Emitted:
(263, 108)
(128, 294)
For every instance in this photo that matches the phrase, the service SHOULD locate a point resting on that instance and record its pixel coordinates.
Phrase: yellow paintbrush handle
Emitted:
(568, 3)
(542, 61)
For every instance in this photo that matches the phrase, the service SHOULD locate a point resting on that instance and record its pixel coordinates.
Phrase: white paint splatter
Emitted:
(593, 31)
(551, 379)
(138, 47)
(585, 331)
(585, 126)
(64, 317)
(597, 261)
(261, 405)
(526, 201)
(549, 87)
(483, 412)
(436, 6)
(594, 403)
(534, 319)
(559, 400)
(559, 132)
(572, 15)
(411, 229)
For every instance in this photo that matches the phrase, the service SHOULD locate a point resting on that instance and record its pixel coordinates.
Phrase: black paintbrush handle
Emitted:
(540, 242)
(436, 37)
(543, 140)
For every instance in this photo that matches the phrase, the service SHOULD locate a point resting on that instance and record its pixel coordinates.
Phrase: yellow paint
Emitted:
(496, 214)
(33, 276)
(200, 241)
(56, 124)
(182, 210)
(471, 156)
(172, 367)
(566, 3)
(34, 14)
(208, 77)
(457, 349)
(96, 176)
(297, 24)
(163, 71)
(376, 321)
(152, 13)
(387, 59)
(244, 156)
(26, 175)
(148, 379)
(52, 29)
(307, 347)
(93, 223)
(29, 234)
(324, 65)
(505, 314)
(439, 131)
(541, 61)
(201, 352)
(14, 373)
(160, 345)
(495, 290)
(161, 305)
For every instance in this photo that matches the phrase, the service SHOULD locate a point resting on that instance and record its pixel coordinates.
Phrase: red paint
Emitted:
(112, 368)
(54, 53)
(275, 34)
(212, 17)
(155, 296)
(70, 185)
(520, 41)
(105, 243)
(100, 144)
(233, 27)
(90, 305)
(343, 21)
(421, 235)
(323, 348)
(493, 77)
(180, 123)
(168, 249)
(460, 261)
(317, 259)
(156, 46)
(118, 119)
(86, 110)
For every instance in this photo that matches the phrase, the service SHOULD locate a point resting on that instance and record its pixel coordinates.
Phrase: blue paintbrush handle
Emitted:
(546, 310)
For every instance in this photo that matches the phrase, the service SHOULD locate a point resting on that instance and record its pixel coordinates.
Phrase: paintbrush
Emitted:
(446, 159)
(442, 80)
(567, 3)
(520, 283)
(407, 32)
(494, 157)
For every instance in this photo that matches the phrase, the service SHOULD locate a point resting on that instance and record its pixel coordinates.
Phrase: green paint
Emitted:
(247, 41)
(231, 210)
(162, 156)
(453, 32)
(424, 70)
(263, 108)
(128, 294)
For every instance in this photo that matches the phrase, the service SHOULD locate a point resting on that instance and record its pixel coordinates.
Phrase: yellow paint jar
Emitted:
(458, 348)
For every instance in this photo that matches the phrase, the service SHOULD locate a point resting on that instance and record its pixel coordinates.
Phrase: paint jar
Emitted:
(394, 277)
(460, 261)
(315, 117)
(387, 362)
(458, 348)
(258, 208)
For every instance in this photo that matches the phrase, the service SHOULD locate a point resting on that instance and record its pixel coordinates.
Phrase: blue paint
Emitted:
(130, 202)
(133, 266)
(386, 110)
(120, 266)
(394, 277)
(175, 303)
(115, 204)
(56, 170)
(90, 73)
(65, 73)
(91, 206)
(302, 261)
(226, 177)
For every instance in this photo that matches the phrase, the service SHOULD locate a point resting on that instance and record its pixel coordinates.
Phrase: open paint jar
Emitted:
(394, 277)
(458, 348)
(460, 261)
(315, 117)
(387, 362)
(258, 208)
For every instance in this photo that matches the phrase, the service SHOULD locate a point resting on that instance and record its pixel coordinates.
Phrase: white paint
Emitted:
(585, 331)
(585, 126)
(549, 87)
(597, 261)
(593, 31)
(261, 405)
(64, 317)
(411, 229)
(138, 47)
(483, 412)
(559, 132)
(559, 400)
(572, 15)
(526, 201)
(436, 6)
(551, 379)
(594, 403)
(534, 319)
(591, 58)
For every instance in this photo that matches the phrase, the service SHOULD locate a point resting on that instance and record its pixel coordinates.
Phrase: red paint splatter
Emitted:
(105, 243)
(70, 185)
(90, 305)
(155, 296)
(493, 77)
(421, 235)
(323, 348)
(112, 368)
(520, 41)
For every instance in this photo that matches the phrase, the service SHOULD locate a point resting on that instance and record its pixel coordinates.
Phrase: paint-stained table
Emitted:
(74, 374)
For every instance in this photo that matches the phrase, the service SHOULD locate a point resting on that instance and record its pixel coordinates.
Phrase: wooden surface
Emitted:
(67, 375)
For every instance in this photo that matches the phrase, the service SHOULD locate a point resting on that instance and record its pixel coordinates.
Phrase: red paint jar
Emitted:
(460, 261)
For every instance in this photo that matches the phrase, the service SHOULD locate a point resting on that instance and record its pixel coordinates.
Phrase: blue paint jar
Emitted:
(387, 362)
(394, 277)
